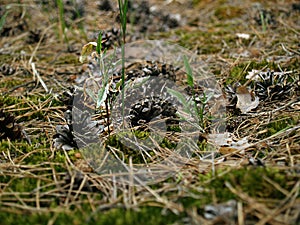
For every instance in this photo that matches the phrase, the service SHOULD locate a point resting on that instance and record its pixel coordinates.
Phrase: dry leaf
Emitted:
(222, 139)
(86, 50)
(246, 100)
(226, 143)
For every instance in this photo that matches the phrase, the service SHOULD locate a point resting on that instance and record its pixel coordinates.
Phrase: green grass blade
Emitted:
(189, 72)
(2, 20)
(99, 43)
(181, 98)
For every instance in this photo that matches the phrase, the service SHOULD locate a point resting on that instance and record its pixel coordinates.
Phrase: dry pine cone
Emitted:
(8, 127)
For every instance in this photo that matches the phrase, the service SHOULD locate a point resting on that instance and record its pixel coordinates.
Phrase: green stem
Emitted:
(123, 80)
(123, 7)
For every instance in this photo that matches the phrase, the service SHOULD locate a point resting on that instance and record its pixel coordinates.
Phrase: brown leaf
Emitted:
(246, 100)
(87, 49)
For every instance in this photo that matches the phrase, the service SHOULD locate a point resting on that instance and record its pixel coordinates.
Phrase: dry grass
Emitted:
(37, 178)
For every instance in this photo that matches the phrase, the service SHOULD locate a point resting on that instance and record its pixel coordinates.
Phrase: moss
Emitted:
(24, 105)
(166, 143)
(16, 148)
(20, 184)
(128, 149)
(126, 152)
(238, 73)
(250, 180)
(281, 124)
(5, 58)
(146, 215)
(10, 83)
(70, 59)
(206, 41)
(36, 153)
(228, 12)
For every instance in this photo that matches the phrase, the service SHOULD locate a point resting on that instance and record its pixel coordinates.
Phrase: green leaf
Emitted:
(140, 82)
(190, 79)
(180, 97)
(99, 43)
(102, 95)
(187, 106)
(123, 8)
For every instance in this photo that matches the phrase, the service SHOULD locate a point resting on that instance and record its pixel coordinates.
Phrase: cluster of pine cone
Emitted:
(81, 129)
(269, 86)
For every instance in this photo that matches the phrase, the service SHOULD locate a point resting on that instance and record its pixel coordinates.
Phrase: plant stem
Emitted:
(62, 20)
(123, 8)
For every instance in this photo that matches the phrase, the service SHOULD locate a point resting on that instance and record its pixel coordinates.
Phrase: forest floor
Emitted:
(253, 177)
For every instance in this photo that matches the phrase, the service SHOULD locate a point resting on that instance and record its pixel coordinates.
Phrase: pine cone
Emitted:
(34, 36)
(273, 87)
(105, 5)
(67, 97)
(64, 138)
(8, 127)
(149, 68)
(7, 69)
(80, 129)
(85, 130)
(148, 108)
(111, 38)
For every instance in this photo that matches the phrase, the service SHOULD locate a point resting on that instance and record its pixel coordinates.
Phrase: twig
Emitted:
(36, 74)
